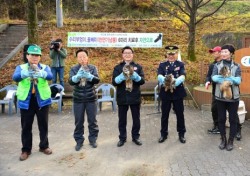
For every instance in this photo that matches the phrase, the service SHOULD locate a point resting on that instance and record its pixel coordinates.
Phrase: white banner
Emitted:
(100, 39)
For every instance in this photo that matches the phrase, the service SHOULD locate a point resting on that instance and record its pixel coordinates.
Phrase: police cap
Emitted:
(171, 49)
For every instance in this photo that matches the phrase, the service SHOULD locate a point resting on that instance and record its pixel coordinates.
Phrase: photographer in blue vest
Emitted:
(33, 94)
(177, 69)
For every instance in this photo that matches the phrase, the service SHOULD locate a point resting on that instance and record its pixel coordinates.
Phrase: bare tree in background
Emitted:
(190, 9)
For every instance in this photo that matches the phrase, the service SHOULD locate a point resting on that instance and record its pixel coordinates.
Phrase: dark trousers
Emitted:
(79, 111)
(214, 111)
(122, 124)
(27, 118)
(179, 111)
(232, 109)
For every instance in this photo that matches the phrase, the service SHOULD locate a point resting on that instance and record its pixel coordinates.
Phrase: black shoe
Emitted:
(214, 130)
(78, 146)
(162, 139)
(93, 144)
(223, 143)
(182, 139)
(121, 143)
(238, 134)
(137, 141)
(230, 144)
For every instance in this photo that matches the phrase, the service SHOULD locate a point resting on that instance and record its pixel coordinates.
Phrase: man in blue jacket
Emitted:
(34, 98)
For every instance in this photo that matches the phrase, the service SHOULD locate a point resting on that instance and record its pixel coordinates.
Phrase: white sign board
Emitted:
(246, 61)
(100, 39)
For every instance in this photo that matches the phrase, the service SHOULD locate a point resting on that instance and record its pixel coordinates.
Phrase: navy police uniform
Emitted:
(176, 98)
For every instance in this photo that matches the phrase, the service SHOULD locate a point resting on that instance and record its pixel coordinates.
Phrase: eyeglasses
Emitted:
(35, 55)
(127, 53)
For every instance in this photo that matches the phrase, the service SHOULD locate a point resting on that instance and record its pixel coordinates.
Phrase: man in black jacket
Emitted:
(128, 98)
(217, 57)
(84, 98)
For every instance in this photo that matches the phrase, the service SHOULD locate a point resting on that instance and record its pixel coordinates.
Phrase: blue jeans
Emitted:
(60, 72)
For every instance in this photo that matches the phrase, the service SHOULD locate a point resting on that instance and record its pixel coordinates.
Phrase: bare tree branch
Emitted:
(177, 5)
(171, 13)
(210, 14)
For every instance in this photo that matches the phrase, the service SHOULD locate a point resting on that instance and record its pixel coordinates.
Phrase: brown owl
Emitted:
(84, 80)
(225, 88)
(225, 71)
(169, 83)
(128, 71)
(34, 67)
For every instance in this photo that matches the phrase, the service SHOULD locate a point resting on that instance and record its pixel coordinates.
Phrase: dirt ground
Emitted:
(150, 159)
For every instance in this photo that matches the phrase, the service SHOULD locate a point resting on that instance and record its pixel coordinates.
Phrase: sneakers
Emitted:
(24, 156)
(46, 151)
(214, 130)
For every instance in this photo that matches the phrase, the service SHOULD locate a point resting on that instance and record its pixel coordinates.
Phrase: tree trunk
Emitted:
(4, 11)
(191, 36)
(191, 44)
(32, 22)
(59, 13)
(85, 5)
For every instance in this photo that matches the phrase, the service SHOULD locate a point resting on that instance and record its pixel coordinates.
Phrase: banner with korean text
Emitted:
(117, 40)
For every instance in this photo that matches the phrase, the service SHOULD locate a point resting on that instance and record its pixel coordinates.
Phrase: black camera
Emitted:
(54, 45)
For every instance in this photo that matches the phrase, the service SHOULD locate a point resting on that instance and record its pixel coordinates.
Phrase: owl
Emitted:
(225, 88)
(225, 71)
(128, 71)
(169, 83)
(34, 67)
(84, 80)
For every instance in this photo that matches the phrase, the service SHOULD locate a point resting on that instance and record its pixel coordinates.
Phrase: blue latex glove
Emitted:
(40, 74)
(135, 77)
(161, 79)
(218, 78)
(179, 80)
(120, 78)
(233, 80)
(88, 76)
(77, 77)
(26, 74)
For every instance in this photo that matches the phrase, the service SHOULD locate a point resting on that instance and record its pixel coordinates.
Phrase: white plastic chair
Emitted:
(58, 98)
(106, 96)
(9, 99)
(156, 98)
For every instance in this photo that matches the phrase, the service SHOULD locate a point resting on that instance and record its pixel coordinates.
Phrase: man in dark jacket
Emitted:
(217, 57)
(168, 97)
(128, 98)
(84, 98)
